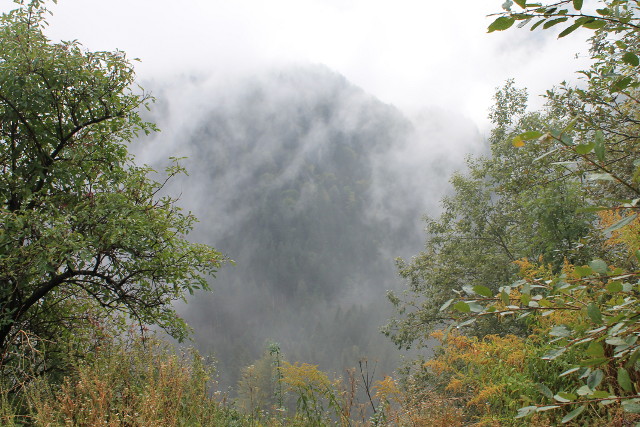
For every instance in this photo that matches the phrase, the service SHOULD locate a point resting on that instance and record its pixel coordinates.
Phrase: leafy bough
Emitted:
(591, 312)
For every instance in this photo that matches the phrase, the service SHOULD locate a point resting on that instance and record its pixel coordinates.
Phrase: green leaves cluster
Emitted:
(84, 233)
(589, 314)
(616, 14)
(576, 294)
(513, 204)
(587, 311)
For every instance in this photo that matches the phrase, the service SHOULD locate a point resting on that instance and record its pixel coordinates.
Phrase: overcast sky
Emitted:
(410, 53)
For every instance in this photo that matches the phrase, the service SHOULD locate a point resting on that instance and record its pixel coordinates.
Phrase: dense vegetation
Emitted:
(536, 256)
(528, 279)
(84, 240)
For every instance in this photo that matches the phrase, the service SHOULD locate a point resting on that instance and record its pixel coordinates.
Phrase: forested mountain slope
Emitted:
(309, 184)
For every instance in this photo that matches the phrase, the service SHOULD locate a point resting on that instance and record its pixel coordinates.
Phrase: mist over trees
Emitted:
(304, 181)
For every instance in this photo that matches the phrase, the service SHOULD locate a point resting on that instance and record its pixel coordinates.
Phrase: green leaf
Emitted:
(595, 378)
(595, 24)
(615, 341)
(482, 290)
(621, 84)
(500, 24)
(537, 24)
(526, 136)
(584, 148)
(614, 287)
(569, 371)
(624, 380)
(546, 391)
(600, 177)
(446, 304)
(467, 322)
(475, 307)
(631, 59)
(594, 313)
(570, 29)
(599, 266)
(560, 331)
(599, 146)
(624, 221)
(546, 408)
(545, 303)
(584, 391)
(631, 406)
(505, 298)
(577, 4)
(527, 410)
(583, 271)
(597, 361)
(520, 3)
(590, 209)
(633, 359)
(462, 307)
(595, 349)
(565, 397)
(553, 354)
(553, 22)
(573, 414)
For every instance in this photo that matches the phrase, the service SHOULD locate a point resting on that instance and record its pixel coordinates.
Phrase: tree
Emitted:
(501, 210)
(601, 115)
(586, 315)
(85, 235)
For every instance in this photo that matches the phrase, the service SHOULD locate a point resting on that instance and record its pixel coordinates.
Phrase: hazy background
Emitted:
(313, 187)
(408, 53)
(317, 133)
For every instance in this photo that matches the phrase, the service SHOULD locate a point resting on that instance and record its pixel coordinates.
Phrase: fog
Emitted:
(313, 187)
(408, 53)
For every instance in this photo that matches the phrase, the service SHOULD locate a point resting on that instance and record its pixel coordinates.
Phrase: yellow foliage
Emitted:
(386, 388)
(304, 376)
(483, 396)
(437, 366)
(489, 350)
(455, 385)
(531, 270)
(437, 334)
(145, 384)
(627, 236)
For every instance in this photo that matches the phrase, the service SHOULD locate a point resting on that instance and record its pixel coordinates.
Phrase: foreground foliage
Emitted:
(84, 234)
(142, 381)
(570, 292)
(138, 382)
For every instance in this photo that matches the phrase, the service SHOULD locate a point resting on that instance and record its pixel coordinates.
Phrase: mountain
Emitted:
(312, 187)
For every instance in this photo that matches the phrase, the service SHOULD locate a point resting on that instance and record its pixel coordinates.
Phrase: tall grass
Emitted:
(140, 382)
(146, 382)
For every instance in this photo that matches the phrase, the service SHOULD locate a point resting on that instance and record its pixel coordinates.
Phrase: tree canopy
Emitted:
(85, 234)
(562, 185)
